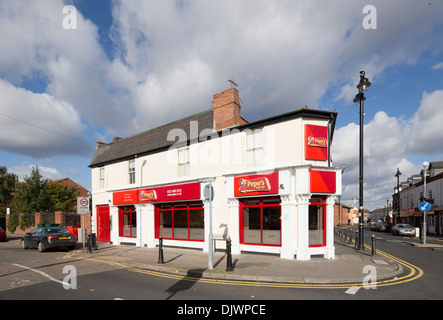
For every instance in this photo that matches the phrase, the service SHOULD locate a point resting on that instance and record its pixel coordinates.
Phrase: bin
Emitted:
(93, 239)
(73, 230)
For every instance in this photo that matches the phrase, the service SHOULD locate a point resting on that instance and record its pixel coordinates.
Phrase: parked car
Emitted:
(381, 226)
(403, 229)
(44, 238)
(373, 224)
(2, 234)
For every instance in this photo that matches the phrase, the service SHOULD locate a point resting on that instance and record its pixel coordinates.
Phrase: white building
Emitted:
(412, 194)
(274, 190)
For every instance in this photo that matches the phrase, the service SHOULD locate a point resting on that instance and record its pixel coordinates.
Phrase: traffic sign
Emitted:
(82, 205)
(208, 192)
(424, 206)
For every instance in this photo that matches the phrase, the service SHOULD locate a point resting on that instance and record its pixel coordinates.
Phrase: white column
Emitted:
(330, 249)
(302, 250)
(287, 227)
(138, 214)
(113, 212)
(149, 226)
(234, 225)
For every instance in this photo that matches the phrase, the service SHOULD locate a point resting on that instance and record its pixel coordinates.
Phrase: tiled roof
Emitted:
(149, 141)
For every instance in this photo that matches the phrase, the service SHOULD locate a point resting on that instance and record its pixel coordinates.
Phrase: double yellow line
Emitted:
(414, 273)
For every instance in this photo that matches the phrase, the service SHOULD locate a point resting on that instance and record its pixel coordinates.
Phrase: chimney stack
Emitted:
(226, 107)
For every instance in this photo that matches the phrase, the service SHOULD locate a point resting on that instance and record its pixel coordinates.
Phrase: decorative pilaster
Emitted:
(287, 227)
(302, 250)
(330, 249)
(113, 216)
(234, 225)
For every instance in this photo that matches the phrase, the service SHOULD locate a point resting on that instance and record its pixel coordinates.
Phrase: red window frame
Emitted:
(260, 205)
(322, 203)
(177, 207)
(121, 211)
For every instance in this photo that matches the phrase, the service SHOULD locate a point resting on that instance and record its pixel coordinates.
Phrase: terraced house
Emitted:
(274, 189)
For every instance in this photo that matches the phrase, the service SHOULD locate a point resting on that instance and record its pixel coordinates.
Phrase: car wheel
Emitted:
(23, 245)
(41, 247)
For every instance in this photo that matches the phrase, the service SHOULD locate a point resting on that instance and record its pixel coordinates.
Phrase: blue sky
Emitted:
(129, 65)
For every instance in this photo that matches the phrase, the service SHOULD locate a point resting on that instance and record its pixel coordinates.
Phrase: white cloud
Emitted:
(25, 170)
(38, 125)
(438, 66)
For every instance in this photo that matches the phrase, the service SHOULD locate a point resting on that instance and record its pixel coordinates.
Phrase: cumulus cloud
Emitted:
(38, 125)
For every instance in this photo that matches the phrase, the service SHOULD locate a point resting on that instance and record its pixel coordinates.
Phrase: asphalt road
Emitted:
(30, 275)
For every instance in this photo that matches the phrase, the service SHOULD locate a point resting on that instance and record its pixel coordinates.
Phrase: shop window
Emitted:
(181, 222)
(317, 231)
(260, 221)
(127, 222)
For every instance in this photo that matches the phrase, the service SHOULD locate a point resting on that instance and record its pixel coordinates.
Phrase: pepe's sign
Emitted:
(316, 142)
(256, 185)
(147, 195)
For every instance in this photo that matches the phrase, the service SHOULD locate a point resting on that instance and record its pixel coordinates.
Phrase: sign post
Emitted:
(83, 209)
(209, 195)
(424, 206)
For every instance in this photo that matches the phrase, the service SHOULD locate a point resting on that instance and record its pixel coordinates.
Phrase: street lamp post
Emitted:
(360, 98)
(425, 165)
(398, 174)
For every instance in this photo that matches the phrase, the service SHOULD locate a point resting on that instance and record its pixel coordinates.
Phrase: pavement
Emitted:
(346, 267)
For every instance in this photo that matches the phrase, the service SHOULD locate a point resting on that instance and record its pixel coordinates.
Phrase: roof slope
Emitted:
(149, 141)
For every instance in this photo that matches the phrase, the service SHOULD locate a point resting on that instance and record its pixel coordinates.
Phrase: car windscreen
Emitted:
(56, 230)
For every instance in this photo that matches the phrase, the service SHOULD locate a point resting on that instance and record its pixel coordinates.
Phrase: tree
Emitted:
(7, 187)
(34, 194)
(63, 197)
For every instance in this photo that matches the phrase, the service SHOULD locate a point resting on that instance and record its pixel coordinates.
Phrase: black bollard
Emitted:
(160, 251)
(89, 244)
(374, 250)
(228, 255)
(356, 239)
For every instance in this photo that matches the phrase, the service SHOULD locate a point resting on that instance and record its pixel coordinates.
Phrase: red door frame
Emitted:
(189, 207)
(261, 205)
(103, 224)
(321, 204)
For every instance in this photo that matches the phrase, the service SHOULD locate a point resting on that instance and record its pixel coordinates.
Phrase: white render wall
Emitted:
(222, 159)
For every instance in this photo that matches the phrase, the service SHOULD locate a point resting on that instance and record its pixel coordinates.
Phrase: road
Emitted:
(28, 274)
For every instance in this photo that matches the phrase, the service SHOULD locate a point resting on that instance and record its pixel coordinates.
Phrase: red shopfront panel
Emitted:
(316, 142)
(124, 197)
(322, 181)
(180, 192)
(188, 191)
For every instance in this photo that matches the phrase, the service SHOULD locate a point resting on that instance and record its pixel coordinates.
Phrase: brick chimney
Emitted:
(226, 106)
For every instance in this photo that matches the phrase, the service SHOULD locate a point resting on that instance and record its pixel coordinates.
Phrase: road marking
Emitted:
(414, 274)
(352, 290)
(42, 273)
